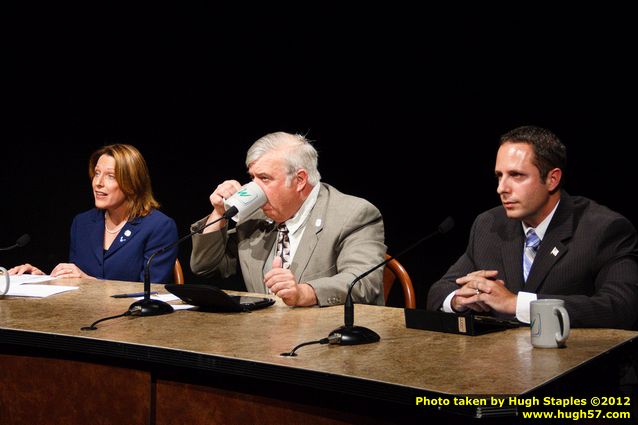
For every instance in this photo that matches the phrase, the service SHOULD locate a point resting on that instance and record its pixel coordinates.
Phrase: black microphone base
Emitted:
(148, 307)
(355, 335)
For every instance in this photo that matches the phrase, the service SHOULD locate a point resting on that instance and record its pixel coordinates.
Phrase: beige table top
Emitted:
(496, 363)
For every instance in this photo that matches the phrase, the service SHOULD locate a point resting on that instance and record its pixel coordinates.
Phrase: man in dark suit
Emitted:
(544, 243)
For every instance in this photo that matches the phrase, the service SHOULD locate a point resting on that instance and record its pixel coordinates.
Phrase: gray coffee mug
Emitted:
(549, 323)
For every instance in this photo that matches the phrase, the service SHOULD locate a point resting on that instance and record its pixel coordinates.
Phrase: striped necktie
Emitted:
(531, 246)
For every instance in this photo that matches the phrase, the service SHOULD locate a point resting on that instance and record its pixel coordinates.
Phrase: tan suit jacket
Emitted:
(343, 238)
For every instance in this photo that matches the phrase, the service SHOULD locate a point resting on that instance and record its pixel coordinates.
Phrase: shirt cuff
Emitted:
(447, 304)
(522, 305)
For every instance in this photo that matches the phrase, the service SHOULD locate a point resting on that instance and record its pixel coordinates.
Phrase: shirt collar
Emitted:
(542, 227)
(298, 220)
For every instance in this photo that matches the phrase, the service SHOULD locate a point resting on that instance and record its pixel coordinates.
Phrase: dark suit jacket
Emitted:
(127, 256)
(343, 238)
(588, 257)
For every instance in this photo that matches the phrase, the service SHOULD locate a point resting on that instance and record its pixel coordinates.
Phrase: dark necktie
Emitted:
(531, 246)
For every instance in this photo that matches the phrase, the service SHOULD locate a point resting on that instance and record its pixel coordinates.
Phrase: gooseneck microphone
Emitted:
(22, 241)
(150, 307)
(355, 335)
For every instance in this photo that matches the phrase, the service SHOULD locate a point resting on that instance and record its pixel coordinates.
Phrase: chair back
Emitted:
(394, 270)
(178, 273)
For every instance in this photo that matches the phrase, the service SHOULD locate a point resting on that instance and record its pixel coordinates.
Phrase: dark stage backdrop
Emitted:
(408, 119)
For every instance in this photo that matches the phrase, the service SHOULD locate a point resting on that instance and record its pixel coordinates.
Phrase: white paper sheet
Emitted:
(170, 297)
(29, 278)
(38, 291)
(182, 306)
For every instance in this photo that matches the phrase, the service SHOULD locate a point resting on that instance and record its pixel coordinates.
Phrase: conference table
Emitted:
(205, 367)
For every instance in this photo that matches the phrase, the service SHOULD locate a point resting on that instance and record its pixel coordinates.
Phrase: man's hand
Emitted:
(223, 191)
(282, 283)
(481, 292)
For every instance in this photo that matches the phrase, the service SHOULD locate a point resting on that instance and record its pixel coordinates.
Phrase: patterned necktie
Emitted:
(531, 246)
(283, 246)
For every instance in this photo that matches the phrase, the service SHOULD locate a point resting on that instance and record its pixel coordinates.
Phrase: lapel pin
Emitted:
(127, 233)
(318, 223)
(555, 251)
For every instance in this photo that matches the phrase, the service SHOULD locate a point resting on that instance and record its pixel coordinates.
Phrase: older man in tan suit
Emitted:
(329, 237)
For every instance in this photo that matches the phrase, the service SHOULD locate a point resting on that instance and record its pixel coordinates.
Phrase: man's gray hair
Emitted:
(299, 154)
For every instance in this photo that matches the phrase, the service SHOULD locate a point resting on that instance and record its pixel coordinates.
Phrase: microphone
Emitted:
(355, 335)
(248, 199)
(149, 307)
(22, 241)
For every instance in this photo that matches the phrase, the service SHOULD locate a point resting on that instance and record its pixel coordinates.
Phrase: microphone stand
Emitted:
(150, 307)
(348, 334)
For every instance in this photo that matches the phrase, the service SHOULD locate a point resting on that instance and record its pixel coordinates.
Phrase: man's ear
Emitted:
(553, 179)
(301, 179)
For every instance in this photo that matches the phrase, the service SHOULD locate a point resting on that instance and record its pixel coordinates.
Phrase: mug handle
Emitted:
(5, 273)
(563, 317)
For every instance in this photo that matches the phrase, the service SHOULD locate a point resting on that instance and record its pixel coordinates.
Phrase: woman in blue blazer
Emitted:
(115, 239)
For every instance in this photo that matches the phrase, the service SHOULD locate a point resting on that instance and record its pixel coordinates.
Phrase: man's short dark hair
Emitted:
(549, 151)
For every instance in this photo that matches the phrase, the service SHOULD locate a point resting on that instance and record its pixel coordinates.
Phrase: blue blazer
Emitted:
(127, 255)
